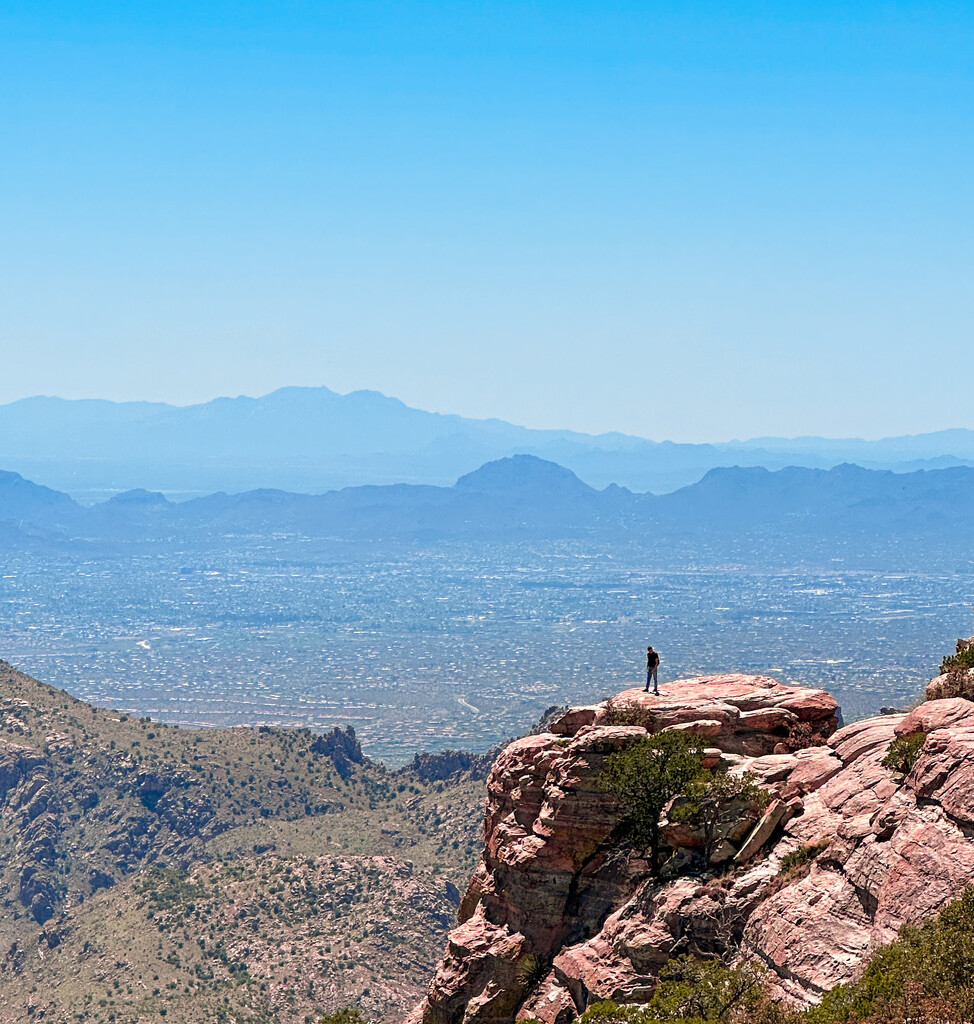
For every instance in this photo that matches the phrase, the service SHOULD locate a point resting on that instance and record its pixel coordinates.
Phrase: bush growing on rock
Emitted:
(957, 674)
(709, 990)
(963, 659)
(608, 1012)
(691, 989)
(344, 1015)
(926, 973)
(903, 752)
(631, 712)
(801, 735)
(795, 864)
(712, 798)
(923, 977)
(645, 777)
(532, 970)
(958, 682)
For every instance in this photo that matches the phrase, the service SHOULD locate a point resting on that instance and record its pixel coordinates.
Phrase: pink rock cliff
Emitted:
(560, 914)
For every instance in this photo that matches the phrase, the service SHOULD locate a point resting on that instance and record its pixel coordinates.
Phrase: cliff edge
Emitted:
(561, 913)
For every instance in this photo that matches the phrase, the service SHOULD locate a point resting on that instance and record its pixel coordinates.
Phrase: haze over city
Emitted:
(690, 222)
(486, 512)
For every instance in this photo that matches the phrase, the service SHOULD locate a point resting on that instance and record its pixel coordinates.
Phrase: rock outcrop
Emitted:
(452, 764)
(560, 913)
(957, 673)
(342, 747)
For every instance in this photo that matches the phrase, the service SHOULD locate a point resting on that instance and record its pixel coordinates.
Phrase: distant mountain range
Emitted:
(523, 497)
(313, 440)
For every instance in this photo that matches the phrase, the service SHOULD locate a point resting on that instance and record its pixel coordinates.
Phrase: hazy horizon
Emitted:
(676, 220)
(456, 412)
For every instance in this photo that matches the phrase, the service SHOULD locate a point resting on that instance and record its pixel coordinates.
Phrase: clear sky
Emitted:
(683, 220)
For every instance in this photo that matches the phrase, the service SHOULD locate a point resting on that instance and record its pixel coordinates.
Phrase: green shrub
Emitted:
(794, 863)
(801, 735)
(169, 889)
(958, 682)
(645, 777)
(607, 1012)
(923, 977)
(532, 970)
(935, 960)
(691, 989)
(694, 989)
(344, 1015)
(711, 797)
(903, 752)
(631, 712)
(962, 660)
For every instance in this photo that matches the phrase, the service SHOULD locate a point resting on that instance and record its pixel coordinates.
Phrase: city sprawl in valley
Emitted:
(454, 645)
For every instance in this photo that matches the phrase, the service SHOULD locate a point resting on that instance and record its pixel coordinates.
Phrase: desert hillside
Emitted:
(151, 872)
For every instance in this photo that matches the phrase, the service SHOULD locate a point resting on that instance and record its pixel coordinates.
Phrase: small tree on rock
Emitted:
(712, 798)
(645, 777)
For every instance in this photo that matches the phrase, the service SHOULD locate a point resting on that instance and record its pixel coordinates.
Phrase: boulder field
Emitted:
(561, 913)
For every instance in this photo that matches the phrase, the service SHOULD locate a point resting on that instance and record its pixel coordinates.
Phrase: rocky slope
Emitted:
(151, 872)
(559, 913)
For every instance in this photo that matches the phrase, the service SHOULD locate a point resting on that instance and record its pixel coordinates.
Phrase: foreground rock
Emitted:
(559, 914)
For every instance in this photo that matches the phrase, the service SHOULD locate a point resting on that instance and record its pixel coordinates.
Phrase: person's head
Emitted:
(648, 649)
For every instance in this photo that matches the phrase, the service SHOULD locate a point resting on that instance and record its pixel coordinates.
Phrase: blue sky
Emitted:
(691, 220)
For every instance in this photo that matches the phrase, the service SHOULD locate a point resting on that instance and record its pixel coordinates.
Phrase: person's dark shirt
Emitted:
(652, 660)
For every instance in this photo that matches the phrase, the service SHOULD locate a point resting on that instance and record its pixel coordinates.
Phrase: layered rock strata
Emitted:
(560, 913)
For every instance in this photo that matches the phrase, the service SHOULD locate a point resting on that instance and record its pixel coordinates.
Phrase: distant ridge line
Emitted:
(521, 497)
(313, 440)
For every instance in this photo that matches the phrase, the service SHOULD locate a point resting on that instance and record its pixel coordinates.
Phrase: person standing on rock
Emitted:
(652, 666)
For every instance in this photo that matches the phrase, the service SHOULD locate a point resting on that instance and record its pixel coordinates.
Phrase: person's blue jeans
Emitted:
(651, 676)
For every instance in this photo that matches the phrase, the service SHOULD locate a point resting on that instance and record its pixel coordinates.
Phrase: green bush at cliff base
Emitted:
(608, 1012)
(932, 962)
(926, 976)
(707, 990)
(694, 990)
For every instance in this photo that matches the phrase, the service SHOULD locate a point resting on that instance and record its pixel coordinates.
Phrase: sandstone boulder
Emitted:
(754, 713)
(937, 714)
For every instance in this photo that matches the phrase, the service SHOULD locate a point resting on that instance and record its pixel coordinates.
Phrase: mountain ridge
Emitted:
(156, 873)
(313, 439)
(523, 497)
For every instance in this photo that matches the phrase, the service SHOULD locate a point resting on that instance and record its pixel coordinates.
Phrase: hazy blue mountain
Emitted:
(138, 497)
(958, 442)
(23, 500)
(845, 495)
(528, 477)
(523, 497)
(314, 440)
